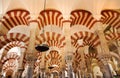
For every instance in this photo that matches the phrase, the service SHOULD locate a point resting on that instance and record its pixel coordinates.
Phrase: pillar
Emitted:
(88, 61)
(43, 74)
(30, 54)
(63, 73)
(14, 74)
(102, 39)
(33, 33)
(30, 60)
(76, 75)
(105, 50)
(43, 65)
(79, 74)
(67, 49)
(70, 71)
(82, 64)
(20, 71)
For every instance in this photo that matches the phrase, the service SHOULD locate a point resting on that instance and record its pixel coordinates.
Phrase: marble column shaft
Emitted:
(31, 48)
(104, 48)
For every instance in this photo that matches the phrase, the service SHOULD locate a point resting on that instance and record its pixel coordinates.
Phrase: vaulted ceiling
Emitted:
(65, 22)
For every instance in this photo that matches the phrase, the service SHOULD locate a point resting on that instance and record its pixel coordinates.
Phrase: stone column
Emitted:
(70, 71)
(33, 33)
(30, 60)
(15, 74)
(69, 64)
(79, 74)
(105, 50)
(105, 67)
(82, 64)
(20, 71)
(76, 75)
(88, 61)
(67, 50)
(102, 39)
(43, 65)
(43, 74)
(63, 73)
(68, 47)
(30, 54)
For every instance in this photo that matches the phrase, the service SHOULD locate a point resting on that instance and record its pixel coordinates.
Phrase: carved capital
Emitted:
(104, 58)
(31, 58)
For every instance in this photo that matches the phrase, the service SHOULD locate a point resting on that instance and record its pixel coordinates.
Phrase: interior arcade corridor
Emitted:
(82, 38)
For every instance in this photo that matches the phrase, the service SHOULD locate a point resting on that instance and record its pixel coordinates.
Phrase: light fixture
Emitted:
(42, 47)
(53, 66)
(50, 67)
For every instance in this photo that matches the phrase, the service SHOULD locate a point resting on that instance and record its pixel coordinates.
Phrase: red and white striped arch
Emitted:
(88, 39)
(53, 58)
(53, 55)
(111, 17)
(15, 17)
(54, 63)
(82, 17)
(14, 44)
(11, 55)
(39, 58)
(91, 55)
(13, 37)
(50, 17)
(113, 36)
(9, 65)
(77, 59)
(52, 39)
(55, 69)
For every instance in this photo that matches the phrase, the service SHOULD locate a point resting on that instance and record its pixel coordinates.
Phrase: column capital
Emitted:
(104, 58)
(34, 26)
(19, 73)
(31, 58)
(20, 69)
(98, 26)
(102, 38)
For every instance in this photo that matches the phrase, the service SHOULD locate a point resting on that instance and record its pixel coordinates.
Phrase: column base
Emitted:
(20, 71)
(107, 73)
